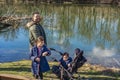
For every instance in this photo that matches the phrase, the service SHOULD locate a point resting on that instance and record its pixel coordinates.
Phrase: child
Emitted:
(65, 60)
(39, 62)
(79, 59)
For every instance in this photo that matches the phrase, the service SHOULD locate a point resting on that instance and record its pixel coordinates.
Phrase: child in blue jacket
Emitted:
(65, 60)
(39, 61)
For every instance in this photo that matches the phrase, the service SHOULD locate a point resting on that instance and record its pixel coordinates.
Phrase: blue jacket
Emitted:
(43, 65)
(65, 63)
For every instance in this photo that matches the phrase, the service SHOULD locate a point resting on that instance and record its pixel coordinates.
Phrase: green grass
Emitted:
(94, 72)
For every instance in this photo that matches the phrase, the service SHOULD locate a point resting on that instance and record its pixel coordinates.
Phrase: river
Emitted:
(95, 29)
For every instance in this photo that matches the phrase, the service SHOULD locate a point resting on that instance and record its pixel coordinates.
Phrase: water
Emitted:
(92, 28)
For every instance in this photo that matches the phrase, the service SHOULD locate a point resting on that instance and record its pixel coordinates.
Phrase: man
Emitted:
(35, 29)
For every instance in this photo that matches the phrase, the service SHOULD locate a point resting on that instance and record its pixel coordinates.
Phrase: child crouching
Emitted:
(65, 63)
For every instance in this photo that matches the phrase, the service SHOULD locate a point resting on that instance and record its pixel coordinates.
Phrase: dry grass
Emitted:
(93, 72)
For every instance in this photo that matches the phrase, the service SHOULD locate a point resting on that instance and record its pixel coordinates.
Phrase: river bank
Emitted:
(93, 72)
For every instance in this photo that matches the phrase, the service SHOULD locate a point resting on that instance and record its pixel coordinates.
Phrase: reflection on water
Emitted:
(3, 27)
(94, 29)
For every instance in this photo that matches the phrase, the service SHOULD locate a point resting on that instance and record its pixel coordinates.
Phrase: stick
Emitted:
(57, 51)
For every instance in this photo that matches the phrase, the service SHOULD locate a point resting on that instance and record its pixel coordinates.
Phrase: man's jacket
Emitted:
(36, 30)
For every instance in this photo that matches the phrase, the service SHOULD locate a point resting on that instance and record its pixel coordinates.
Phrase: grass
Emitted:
(93, 72)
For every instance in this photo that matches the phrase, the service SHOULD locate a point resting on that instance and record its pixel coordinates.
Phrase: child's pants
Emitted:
(41, 75)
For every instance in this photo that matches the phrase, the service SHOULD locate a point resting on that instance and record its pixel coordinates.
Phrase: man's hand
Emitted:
(45, 54)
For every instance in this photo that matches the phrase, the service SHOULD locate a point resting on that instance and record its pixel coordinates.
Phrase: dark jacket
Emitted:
(65, 63)
(36, 30)
(82, 59)
(41, 66)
